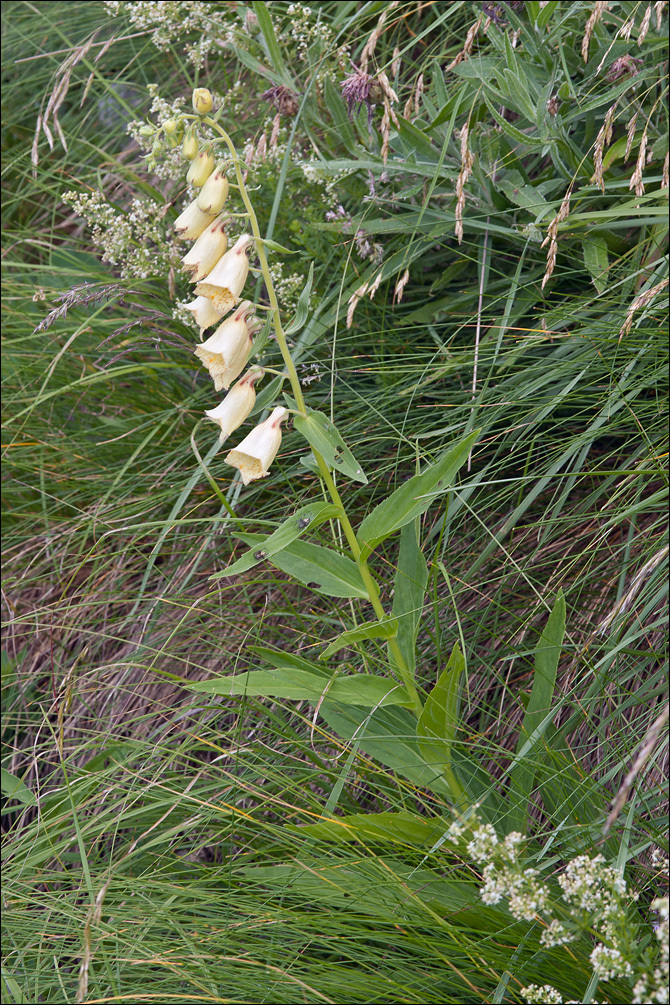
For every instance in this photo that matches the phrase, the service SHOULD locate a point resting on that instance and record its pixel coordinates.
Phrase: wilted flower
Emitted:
(214, 192)
(238, 403)
(256, 452)
(202, 100)
(361, 89)
(225, 353)
(226, 281)
(204, 312)
(191, 223)
(284, 100)
(207, 250)
(201, 168)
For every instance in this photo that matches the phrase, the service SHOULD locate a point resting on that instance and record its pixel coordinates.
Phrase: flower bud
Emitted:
(237, 405)
(214, 192)
(225, 353)
(202, 100)
(147, 130)
(170, 127)
(190, 145)
(225, 282)
(191, 223)
(256, 452)
(157, 148)
(204, 313)
(201, 168)
(207, 250)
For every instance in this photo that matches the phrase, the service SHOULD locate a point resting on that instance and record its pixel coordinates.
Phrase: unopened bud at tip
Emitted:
(202, 100)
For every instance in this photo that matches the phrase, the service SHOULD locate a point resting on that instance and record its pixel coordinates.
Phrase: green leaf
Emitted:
(302, 309)
(13, 788)
(514, 133)
(414, 497)
(409, 589)
(273, 246)
(297, 684)
(273, 49)
(12, 989)
(538, 715)
(319, 568)
(437, 724)
(376, 630)
(402, 827)
(309, 516)
(322, 435)
(596, 260)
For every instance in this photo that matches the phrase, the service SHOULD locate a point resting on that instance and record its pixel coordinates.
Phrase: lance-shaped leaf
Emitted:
(436, 727)
(302, 309)
(321, 569)
(297, 684)
(309, 516)
(386, 629)
(322, 435)
(413, 498)
(409, 588)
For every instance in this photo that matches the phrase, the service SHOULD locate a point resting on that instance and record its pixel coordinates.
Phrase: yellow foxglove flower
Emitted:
(191, 223)
(214, 192)
(202, 100)
(225, 353)
(256, 452)
(237, 404)
(204, 313)
(190, 146)
(226, 281)
(207, 250)
(201, 168)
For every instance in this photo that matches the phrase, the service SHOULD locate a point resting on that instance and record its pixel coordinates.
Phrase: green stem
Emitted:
(403, 670)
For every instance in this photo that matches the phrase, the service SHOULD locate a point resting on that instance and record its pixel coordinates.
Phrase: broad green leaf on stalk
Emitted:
(524, 138)
(537, 717)
(386, 629)
(365, 690)
(401, 828)
(414, 497)
(388, 735)
(596, 260)
(437, 724)
(409, 588)
(306, 518)
(322, 436)
(279, 658)
(302, 309)
(13, 788)
(417, 141)
(521, 192)
(320, 569)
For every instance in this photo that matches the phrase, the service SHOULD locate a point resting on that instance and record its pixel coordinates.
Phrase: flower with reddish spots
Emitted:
(225, 282)
(225, 353)
(256, 452)
(207, 250)
(192, 222)
(204, 313)
(238, 403)
(202, 100)
(201, 168)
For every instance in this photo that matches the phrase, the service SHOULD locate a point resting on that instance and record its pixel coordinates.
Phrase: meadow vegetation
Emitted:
(280, 782)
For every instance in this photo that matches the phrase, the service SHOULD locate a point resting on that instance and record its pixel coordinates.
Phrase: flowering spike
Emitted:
(256, 452)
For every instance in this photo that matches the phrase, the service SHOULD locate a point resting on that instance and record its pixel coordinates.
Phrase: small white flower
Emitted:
(237, 405)
(207, 250)
(257, 451)
(225, 353)
(225, 282)
(204, 313)
(191, 223)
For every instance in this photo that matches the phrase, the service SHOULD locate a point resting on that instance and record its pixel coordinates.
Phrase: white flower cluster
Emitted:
(545, 995)
(593, 886)
(288, 287)
(306, 29)
(136, 240)
(653, 987)
(169, 21)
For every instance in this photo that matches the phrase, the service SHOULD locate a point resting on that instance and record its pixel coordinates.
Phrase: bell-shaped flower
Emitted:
(225, 353)
(256, 452)
(204, 313)
(226, 281)
(201, 168)
(207, 250)
(191, 223)
(237, 404)
(214, 192)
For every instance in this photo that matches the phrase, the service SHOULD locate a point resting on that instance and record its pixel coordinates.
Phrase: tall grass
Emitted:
(156, 846)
